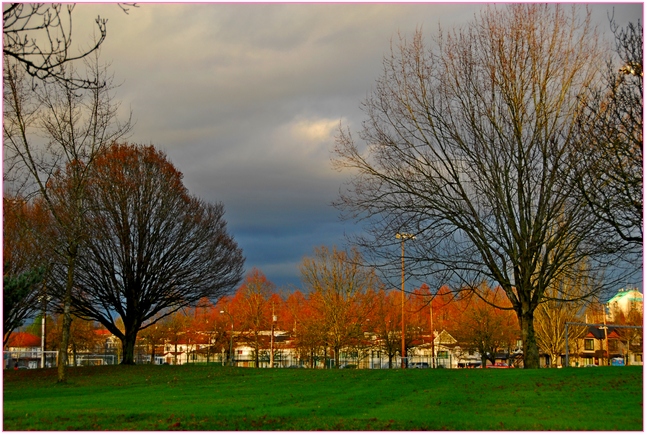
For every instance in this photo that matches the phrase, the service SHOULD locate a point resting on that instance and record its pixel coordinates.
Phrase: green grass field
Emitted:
(224, 398)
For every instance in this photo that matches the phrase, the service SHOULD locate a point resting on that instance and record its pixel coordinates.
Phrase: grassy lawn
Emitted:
(224, 398)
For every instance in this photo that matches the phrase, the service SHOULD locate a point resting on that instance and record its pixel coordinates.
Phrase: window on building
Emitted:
(443, 354)
(638, 357)
(588, 344)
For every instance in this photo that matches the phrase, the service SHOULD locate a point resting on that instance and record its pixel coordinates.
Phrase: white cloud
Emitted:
(306, 140)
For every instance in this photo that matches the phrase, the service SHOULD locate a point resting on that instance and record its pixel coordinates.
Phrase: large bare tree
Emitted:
(59, 128)
(154, 248)
(470, 144)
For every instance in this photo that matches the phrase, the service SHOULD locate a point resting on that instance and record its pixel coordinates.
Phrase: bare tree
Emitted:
(611, 129)
(154, 249)
(560, 304)
(337, 282)
(76, 125)
(38, 37)
(470, 147)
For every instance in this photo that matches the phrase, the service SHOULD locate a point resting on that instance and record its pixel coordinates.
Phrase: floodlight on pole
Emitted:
(403, 237)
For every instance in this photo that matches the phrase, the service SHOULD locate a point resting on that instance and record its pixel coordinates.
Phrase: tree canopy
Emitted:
(154, 248)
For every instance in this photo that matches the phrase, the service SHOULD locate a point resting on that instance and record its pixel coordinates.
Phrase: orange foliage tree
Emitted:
(309, 342)
(154, 248)
(26, 226)
(481, 326)
(337, 281)
(83, 336)
(253, 309)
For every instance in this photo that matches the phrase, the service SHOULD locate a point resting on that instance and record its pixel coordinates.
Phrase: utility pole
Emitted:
(403, 237)
(606, 336)
(433, 344)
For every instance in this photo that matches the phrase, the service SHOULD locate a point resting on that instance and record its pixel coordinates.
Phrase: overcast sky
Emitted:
(246, 98)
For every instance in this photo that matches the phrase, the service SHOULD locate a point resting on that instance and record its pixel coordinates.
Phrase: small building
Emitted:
(23, 350)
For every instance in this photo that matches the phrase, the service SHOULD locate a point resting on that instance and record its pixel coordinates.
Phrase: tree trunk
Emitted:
(67, 318)
(128, 344)
(256, 350)
(65, 342)
(530, 349)
(554, 358)
(153, 354)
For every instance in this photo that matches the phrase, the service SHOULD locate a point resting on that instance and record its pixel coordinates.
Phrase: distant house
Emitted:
(619, 342)
(22, 349)
(23, 341)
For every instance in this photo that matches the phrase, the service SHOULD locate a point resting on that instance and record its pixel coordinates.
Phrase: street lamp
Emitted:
(403, 237)
(231, 338)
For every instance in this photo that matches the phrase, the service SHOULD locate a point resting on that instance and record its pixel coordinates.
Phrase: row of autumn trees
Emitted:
(508, 147)
(352, 314)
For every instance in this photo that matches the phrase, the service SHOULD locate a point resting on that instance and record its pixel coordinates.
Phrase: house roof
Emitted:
(445, 338)
(598, 332)
(23, 339)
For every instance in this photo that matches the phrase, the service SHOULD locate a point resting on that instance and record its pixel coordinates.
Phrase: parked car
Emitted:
(499, 365)
(348, 366)
(419, 365)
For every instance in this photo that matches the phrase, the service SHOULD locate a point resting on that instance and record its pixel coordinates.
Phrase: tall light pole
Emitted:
(403, 237)
(431, 321)
(272, 339)
(231, 338)
(44, 299)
